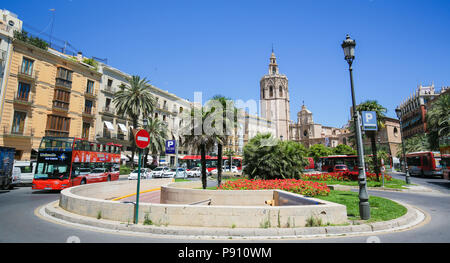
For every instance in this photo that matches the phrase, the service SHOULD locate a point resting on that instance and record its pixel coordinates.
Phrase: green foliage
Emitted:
(438, 120)
(35, 41)
(91, 62)
(343, 149)
(313, 221)
(147, 220)
(318, 150)
(269, 158)
(124, 169)
(417, 143)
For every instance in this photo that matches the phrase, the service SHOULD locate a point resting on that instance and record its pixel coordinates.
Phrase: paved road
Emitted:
(19, 223)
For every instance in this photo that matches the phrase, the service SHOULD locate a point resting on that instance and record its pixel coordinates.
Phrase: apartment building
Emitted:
(47, 94)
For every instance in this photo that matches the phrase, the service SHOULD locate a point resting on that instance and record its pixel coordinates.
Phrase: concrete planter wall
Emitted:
(228, 208)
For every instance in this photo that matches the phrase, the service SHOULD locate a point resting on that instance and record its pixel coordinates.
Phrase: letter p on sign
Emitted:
(369, 120)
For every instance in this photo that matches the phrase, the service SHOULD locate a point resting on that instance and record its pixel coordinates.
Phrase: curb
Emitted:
(411, 219)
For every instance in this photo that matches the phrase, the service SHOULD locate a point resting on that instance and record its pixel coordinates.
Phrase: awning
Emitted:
(109, 125)
(122, 127)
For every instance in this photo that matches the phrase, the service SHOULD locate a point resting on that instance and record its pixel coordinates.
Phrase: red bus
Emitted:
(63, 162)
(328, 162)
(445, 162)
(190, 161)
(424, 163)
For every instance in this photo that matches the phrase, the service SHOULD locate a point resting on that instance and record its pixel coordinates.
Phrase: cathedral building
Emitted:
(274, 96)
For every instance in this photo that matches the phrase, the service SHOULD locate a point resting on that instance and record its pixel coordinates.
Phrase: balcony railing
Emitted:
(113, 136)
(61, 105)
(22, 99)
(27, 73)
(88, 112)
(11, 132)
(109, 89)
(64, 83)
(108, 110)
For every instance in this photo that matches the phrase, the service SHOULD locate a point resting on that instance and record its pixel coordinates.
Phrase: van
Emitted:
(27, 169)
(16, 176)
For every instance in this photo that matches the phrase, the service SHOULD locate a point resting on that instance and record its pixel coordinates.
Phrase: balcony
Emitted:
(108, 110)
(28, 74)
(20, 99)
(88, 112)
(63, 83)
(109, 90)
(112, 136)
(10, 132)
(90, 95)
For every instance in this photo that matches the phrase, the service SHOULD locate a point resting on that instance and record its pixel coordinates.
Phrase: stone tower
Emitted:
(274, 96)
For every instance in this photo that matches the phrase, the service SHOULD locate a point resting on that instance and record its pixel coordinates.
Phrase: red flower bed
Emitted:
(292, 185)
(342, 176)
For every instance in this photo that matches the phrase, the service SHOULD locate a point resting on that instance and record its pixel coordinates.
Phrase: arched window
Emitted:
(281, 91)
(264, 93)
(271, 91)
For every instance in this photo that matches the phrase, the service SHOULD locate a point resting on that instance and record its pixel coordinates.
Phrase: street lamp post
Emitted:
(348, 45)
(407, 176)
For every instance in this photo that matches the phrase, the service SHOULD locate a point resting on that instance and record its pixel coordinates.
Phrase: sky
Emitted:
(223, 47)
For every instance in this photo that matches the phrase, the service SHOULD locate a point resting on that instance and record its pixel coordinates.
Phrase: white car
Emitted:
(27, 169)
(145, 173)
(172, 173)
(16, 176)
(159, 171)
(194, 172)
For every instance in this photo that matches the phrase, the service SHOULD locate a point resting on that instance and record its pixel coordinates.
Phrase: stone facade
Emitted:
(47, 94)
(274, 96)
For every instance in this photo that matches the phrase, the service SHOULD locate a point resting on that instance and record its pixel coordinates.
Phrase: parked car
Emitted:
(172, 173)
(145, 173)
(159, 171)
(340, 168)
(194, 172)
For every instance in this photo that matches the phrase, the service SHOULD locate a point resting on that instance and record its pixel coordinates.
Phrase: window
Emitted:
(107, 103)
(19, 122)
(271, 91)
(57, 126)
(61, 99)
(23, 91)
(64, 74)
(85, 131)
(110, 82)
(281, 91)
(27, 66)
(88, 106)
(90, 87)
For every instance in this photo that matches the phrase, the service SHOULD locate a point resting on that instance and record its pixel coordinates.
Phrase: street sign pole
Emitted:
(138, 188)
(142, 139)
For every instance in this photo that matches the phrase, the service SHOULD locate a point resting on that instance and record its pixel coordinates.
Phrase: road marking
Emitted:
(146, 191)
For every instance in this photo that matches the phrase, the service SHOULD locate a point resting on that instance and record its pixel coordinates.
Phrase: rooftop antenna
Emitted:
(272, 47)
(53, 20)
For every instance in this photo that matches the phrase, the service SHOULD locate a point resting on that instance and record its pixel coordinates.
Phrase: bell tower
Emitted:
(274, 97)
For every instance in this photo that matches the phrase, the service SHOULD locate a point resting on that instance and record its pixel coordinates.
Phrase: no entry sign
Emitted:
(142, 139)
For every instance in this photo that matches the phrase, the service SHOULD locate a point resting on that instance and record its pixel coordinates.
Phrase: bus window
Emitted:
(106, 148)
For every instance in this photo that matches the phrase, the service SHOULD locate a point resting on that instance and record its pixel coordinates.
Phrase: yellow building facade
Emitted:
(47, 94)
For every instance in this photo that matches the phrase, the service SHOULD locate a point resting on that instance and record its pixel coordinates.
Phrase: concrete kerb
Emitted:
(412, 218)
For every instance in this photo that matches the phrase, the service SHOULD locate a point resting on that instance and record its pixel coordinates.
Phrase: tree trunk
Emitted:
(219, 164)
(203, 161)
(374, 155)
(133, 143)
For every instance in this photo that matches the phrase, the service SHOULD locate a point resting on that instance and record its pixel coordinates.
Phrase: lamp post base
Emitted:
(407, 177)
(364, 210)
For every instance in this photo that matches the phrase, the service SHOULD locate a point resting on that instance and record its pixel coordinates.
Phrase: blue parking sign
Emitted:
(170, 146)
(369, 120)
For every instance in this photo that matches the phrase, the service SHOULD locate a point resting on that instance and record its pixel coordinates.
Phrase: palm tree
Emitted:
(228, 115)
(372, 105)
(438, 120)
(158, 135)
(198, 138)
(134, 101)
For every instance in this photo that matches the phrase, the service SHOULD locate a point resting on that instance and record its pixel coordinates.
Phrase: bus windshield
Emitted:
(52, 170)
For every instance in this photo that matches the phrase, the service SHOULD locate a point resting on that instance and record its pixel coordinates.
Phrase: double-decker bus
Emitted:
(190, 161)
(328, 162)
(63, 162)
(424, 163)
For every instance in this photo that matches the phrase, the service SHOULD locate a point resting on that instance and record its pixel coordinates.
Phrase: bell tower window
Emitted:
(281, 91)
(271, 91)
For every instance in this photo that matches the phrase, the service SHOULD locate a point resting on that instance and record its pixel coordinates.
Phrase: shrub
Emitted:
(269, 158)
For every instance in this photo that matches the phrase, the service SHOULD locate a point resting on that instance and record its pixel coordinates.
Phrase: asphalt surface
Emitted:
(19, 221)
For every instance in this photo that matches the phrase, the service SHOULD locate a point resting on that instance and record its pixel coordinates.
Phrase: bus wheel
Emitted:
(83, 181)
